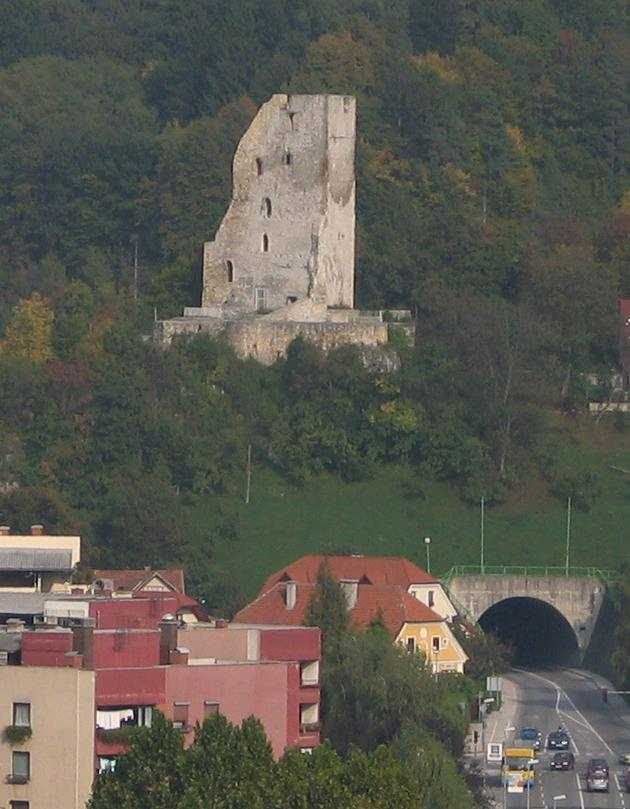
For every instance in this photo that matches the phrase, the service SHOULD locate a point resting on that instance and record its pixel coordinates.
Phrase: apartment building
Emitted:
(80, 687)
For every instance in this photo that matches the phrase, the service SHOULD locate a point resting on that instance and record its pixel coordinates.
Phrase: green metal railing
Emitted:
(531, 571)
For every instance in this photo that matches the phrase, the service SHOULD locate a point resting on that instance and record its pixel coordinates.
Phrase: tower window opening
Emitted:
(292, 121)
(265, 243)
(287, 158)
(266, 208)
(229, 269)
(258, 167)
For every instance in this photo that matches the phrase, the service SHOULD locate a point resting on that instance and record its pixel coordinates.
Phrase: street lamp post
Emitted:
(427, 542)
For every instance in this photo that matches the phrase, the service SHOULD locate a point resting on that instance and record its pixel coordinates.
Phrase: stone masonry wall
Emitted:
(289, 231)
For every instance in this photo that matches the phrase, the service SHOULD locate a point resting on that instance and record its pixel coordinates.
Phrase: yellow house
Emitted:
(411, 623)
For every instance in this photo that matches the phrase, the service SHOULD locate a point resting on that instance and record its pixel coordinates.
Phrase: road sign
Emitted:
(495, 752)
(494, 684)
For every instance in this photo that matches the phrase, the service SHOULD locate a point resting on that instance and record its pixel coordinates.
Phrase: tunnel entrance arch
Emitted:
(537, 632)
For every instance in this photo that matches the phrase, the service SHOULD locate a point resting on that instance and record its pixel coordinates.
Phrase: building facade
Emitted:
(36, 562)
(100, 666)
(52, 710)
(412, 605)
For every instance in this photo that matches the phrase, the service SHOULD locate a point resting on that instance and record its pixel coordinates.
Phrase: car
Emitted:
(626, 780)
(624, 758)
(562, 761)
(531, 735)
(597, 775)
(558, 740)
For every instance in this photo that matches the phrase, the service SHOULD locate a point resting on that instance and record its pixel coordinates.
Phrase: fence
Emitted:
(531, 571)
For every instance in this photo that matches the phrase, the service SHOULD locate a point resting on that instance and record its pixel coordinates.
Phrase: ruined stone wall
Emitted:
(268, 341)
(289, 231)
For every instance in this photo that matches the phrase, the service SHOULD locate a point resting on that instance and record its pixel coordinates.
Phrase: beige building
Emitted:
(36, 562)
(46, 737)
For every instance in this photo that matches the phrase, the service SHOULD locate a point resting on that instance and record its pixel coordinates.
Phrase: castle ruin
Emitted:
(282, 261)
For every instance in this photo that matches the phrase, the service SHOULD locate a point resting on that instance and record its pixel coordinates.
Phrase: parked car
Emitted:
(562, 761)
(624, 758)
(597, 775)
(558, 740)
(531, 735)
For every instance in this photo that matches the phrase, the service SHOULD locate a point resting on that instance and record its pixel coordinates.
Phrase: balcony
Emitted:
(120, 735)
(13, 778)
(17, 734)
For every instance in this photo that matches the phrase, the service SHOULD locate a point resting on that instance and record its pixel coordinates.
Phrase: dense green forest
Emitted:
(490, 200)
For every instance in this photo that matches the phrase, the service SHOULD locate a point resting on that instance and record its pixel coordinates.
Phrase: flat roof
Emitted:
(36, 560)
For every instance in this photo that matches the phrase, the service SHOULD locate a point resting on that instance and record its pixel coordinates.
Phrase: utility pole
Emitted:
(248, 485)
(135, 267)
(483, 561)
(566, 567)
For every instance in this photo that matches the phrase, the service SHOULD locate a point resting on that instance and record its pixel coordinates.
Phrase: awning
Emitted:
(35, 560)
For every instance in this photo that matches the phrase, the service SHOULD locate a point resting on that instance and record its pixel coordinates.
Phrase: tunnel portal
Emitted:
(537, 633)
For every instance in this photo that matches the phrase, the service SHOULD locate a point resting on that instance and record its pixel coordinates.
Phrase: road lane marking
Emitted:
(621, 795)
(575, 708)
(579, 789)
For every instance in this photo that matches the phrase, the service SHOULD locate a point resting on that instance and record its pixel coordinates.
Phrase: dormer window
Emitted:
(290, 594)
(351, 592)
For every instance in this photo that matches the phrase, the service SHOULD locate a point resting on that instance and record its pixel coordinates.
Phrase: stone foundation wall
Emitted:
(268, 341)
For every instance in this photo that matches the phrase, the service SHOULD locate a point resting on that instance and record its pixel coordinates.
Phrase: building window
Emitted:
(411, 644)
(106, 764)
(292, 121)
(351, 591)
(260, 299)
(19, 804)
(309, 673)
(229, 269)
(22, 714)
(266, 208)
(20, 767)
(180, 715)
(210, 709)
(435, 643)
(265, 243)
(291, 298)
(309, 717)
(287, 158)
(258, 167)
(431, 598)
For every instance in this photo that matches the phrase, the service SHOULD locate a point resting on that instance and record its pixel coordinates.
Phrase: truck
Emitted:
(517, 769)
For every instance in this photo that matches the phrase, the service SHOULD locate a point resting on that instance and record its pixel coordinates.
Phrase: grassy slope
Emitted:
(379, 516)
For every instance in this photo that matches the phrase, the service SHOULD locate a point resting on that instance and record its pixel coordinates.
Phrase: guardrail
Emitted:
(531, 571)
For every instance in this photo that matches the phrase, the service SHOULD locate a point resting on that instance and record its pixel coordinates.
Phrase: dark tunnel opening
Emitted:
(535, 631)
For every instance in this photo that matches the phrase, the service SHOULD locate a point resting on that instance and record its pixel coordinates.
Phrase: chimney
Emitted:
(179, 656)
(83, 642)
(220, 623)
(168, 638)
(5, 530)
(37, 530)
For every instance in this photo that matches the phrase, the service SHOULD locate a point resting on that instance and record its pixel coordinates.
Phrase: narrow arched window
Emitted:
(258, 167)
(266, 208)
(229, 270)
(265, 243)
(287, 158)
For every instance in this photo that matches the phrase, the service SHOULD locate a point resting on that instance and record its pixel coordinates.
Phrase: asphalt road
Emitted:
(547, 699)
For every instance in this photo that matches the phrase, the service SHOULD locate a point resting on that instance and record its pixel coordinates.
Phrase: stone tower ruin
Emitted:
(288, 234)
(281, 264)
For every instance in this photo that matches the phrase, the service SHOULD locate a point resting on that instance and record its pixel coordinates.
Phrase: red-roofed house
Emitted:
(145, 580)
(412, 604)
